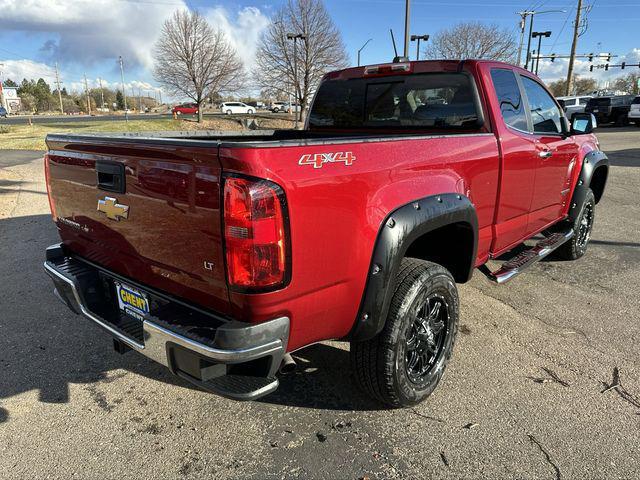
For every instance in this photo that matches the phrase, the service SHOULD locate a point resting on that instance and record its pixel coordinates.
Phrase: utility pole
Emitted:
(124, 93)
(295, 37)
(574, 45)
(418, 38)
(86, 90)
(362, 48)
(407, 16)
(59, 92)
(1, 89)
(523, 23)
(101, 93)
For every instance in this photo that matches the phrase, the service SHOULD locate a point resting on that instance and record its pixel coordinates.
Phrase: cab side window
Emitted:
(545, 114)
(511, 104)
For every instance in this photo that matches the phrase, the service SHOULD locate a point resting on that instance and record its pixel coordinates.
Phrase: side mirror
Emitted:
(583, 123)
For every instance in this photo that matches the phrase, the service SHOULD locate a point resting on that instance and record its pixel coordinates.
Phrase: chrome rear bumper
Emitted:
(260, 346)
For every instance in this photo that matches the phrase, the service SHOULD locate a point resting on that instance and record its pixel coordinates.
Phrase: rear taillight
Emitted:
(255, 233)
(47, 178)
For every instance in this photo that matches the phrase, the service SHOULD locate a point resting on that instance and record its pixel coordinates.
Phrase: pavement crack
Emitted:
(553, 377)
(622, 392)
(428, 417)
(546, 454)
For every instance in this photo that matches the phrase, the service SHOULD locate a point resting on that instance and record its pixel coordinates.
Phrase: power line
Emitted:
(566, 20)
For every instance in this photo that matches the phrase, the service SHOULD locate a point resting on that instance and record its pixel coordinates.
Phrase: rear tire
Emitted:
(228, 112)
(582, 226)
(622, 120)
(403, 364)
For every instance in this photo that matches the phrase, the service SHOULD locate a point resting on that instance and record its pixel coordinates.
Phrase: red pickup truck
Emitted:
(218, 256)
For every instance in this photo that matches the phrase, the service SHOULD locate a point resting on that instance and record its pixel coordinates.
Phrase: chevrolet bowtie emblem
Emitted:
(112, 209)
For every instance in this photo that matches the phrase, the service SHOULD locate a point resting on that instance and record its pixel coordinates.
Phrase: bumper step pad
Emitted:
(234, 359)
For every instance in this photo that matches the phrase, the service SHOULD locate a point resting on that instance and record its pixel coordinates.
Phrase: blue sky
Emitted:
(86, 36)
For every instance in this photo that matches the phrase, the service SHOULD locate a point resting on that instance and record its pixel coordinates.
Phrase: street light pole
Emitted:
(418, 38)
(526, 62)
(532, 14)
(124, 93)
(407, 16)
(362, 48)
(539, 35)
(295, 37)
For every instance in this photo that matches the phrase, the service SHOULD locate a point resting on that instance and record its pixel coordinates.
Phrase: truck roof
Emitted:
(417, 66)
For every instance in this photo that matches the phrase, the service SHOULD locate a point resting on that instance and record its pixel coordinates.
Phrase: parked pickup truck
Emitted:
(614, 109)
(219, 255)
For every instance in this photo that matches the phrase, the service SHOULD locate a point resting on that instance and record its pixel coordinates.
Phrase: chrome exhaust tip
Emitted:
(288, 365)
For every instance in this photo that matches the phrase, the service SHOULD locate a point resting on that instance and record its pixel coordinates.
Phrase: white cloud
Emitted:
(242, 32)
(91, 31)
(16, 70)
(131, 87)
(88, 32)
(551, 71)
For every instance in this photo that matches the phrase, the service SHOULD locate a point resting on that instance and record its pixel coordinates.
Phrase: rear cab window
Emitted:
(436, 101)
(509, 98)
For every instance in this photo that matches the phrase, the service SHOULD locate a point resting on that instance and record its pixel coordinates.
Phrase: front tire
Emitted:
(228, 112)
(403, 364)
(582, 226)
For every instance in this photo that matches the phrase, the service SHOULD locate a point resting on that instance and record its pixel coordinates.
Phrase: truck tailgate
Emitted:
(145, 209)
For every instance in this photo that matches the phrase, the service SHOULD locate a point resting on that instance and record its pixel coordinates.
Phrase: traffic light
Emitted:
(608, 58)
(553, 57)
(591, 58)
(591, 68)
(606, 67)
(623, 64)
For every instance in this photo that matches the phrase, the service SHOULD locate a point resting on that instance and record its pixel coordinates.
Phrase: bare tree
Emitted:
(319, 51)
(628, 83)
(581, 86)
(473, 40)
(194, 60)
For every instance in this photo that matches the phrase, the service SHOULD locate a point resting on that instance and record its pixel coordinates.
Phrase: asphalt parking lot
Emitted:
(544, 382)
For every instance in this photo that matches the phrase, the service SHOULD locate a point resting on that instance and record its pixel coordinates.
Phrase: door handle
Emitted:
(111, 176)
(545, 154)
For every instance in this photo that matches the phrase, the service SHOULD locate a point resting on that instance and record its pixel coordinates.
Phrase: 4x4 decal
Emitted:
(319, 159)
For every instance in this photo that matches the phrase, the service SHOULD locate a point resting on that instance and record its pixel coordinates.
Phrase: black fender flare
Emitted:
(591, 162)
(399, 230)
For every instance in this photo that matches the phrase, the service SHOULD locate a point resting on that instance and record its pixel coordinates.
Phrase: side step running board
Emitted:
(525, 259)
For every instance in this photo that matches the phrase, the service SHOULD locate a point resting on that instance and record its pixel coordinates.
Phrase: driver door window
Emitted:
(544, 111)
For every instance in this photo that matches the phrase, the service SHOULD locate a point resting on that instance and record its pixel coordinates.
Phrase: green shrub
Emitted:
(4, 129)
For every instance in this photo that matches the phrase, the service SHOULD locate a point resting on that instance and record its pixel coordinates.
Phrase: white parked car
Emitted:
(277, 107)
(236, 107)
(572, 105)
(634, 113)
